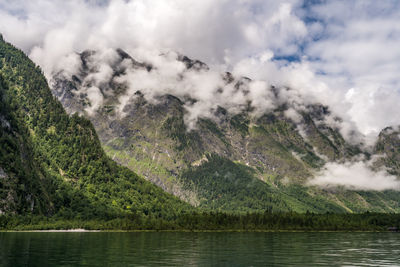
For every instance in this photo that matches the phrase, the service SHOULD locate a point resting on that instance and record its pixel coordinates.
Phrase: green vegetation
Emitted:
(217, 221)
(223, 185)
(53, 163)
(240, 123)
(175, 128)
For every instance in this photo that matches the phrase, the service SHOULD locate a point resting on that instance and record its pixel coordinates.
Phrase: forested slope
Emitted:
(52, 163)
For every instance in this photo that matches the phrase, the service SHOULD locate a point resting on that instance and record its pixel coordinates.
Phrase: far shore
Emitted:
(57, 231)
(196, 231)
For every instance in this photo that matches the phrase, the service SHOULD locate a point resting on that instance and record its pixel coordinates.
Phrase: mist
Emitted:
(356, 175)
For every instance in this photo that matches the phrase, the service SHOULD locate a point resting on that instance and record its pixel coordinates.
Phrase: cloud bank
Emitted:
(344, 53)
(355, 176)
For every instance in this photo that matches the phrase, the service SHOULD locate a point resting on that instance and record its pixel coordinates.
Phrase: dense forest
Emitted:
(228, 186)
(215, 221)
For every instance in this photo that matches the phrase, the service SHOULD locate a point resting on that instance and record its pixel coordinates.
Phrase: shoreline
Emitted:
(191, 231)
(79, 230)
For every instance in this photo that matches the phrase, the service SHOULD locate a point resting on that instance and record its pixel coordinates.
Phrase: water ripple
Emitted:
(199, 249)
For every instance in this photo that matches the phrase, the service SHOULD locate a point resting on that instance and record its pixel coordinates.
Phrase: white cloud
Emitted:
(359, 59)
(356, 176)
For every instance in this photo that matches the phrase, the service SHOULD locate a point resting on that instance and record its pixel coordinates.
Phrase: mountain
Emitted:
(388, 148)
(231, 161)
(52, 163)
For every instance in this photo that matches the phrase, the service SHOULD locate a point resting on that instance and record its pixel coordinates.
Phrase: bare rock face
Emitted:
(388, 147)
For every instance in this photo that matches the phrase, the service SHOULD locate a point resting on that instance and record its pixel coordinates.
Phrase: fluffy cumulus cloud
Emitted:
(356, 52)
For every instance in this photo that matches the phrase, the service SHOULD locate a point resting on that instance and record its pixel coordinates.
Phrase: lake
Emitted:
(198, 249)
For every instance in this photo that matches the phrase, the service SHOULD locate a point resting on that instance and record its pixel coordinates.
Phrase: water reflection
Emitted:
(199, 249)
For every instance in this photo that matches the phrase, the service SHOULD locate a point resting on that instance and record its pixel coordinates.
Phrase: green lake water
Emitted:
(198, 249)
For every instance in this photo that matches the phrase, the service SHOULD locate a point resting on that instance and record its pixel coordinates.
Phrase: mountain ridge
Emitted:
(153, 138)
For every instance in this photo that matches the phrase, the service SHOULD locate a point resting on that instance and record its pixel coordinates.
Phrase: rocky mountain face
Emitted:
(388, 147)
(233, 161)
